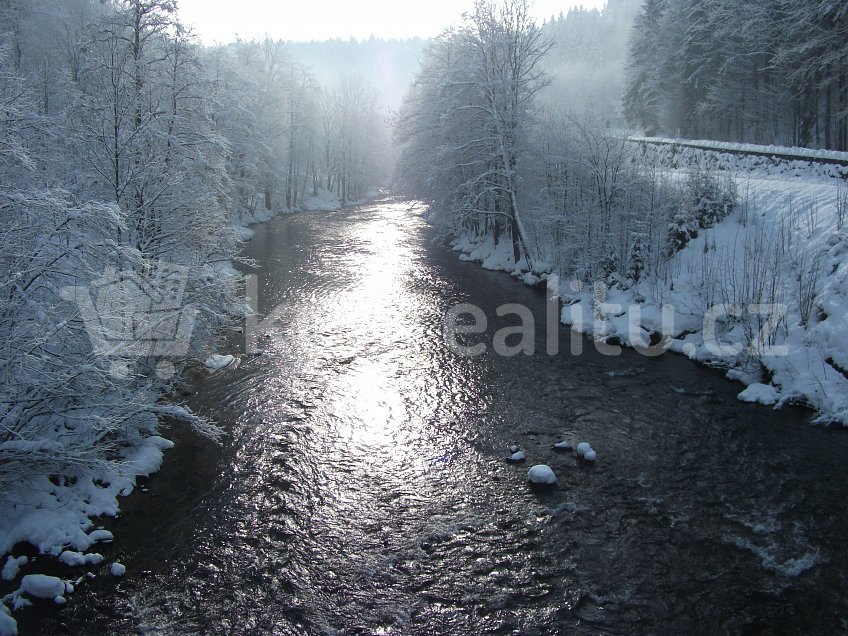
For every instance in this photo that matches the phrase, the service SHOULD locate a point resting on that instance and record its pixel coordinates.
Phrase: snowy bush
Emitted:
(707, 201)
(609, 263)
(638, 260)
(682, 228)
(712, 199)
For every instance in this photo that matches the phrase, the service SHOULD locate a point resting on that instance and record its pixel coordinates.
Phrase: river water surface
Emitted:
(363, 487)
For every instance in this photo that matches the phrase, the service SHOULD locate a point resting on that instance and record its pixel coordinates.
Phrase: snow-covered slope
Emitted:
(763, 294)
(779, 255)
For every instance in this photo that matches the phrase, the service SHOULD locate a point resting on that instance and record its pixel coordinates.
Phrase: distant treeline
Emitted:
(772, 71)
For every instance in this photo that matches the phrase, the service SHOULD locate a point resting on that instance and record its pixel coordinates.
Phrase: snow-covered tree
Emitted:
(643, 98)
(767, 72)
(101, 188)
(475, 98)
(638, 259)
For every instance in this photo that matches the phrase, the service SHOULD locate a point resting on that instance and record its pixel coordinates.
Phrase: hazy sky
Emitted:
(219, 20)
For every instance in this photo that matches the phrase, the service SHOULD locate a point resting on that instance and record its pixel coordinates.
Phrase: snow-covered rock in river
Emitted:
(217, 361)
(42, 586)
(517, 457)
(760, 393)
(77, 559)
(117, 569)
(8, 625)
(514, 448)
(94, 558)
(541, 475)
(590, 456)
(583, 448)
(105, 535)
(562, 447)
(13, 564)
(72, 559)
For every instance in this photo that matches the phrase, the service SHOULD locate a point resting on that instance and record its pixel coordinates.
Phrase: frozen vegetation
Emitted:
(132, 160)
(734, 260)
(779, 250)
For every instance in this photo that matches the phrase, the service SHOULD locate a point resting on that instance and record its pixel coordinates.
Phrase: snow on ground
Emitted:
(325, 201)
(56, 519)
(785, 229)
(783, 247)
(491, 256)
(760, 394)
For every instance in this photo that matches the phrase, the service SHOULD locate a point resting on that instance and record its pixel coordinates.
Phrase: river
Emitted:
(363, 487)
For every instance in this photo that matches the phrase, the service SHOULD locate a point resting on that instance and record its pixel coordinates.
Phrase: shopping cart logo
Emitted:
(130, 316)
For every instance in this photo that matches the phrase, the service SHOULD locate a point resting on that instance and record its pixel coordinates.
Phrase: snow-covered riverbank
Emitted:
(763, 294)
(324, 201)
(56, 516)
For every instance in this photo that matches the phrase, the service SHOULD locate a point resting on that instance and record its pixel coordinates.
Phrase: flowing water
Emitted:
(363, 485)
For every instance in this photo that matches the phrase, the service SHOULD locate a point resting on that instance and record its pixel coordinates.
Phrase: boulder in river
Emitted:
(216, 361)
(42, 586)
(541, 475)
(517, 457)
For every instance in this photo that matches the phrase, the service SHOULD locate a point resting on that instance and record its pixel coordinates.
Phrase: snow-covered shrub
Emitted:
(609, 263)
(587, 199)
(707, 201)
(638, 260)
(682, 228)
(712, 199)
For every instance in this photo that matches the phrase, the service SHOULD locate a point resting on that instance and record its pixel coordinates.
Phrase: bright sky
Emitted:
(220, 20)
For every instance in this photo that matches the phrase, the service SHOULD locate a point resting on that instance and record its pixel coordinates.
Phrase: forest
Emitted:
(485, 136)
(771, 72)
(130, 157)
